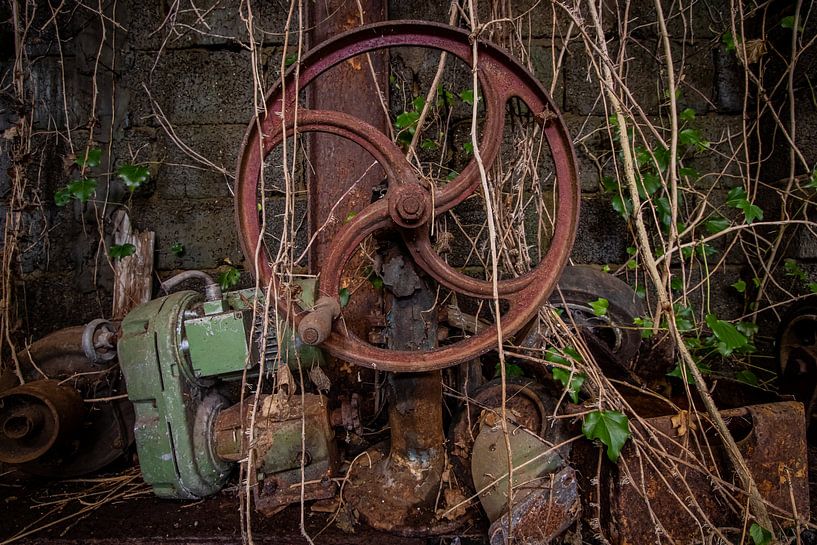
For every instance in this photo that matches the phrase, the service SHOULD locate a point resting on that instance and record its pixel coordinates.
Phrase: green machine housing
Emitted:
(177, 353)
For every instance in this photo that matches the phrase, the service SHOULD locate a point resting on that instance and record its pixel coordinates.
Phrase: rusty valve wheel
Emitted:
(407, 205)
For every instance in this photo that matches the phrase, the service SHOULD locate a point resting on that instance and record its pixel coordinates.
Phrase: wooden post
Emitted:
(133, 275)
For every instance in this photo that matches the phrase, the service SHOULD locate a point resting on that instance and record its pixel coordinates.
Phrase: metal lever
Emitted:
(316, 326)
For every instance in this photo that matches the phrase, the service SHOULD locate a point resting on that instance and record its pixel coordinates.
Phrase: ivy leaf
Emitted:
(511, 371)
(704, 370)
(609, 184)
(760, 535)
(751, 212)
(692, 137)
(467, 96)
(554, 356)
(677, 374)
(418, 103)
(119, 251)
(376, 280)
(735, 196)
(747, 328)
(642, 155)
(133, 175)
(648, 185)
(82, 189)
(444, 96)
(728, 40)
(406, 120)
(794, 270)
(600, 306)
(622, 205)
(727, 334)
(684, 318)
(571, 381)
(740, 286)
(676, 283)
(716, 225)
(646, 325)
(290, 59)
(343, 296)
(662, 158)
(610, 427)
(468, 147)
(62, 196)
(229, 278)
(747, 377)
(689, 172)
(812, 183)
(429, 144)
(687, 115)
(177, 249)
(812, 287)
(788, 22)
(705, 250)
(664, 210)
(91, 158)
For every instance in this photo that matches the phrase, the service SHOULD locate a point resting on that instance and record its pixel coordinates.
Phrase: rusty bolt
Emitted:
(409, 205)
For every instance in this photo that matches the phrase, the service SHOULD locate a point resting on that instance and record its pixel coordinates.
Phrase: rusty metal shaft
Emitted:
(416, 419)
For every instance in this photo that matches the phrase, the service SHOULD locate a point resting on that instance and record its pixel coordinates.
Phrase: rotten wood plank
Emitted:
(133, 275)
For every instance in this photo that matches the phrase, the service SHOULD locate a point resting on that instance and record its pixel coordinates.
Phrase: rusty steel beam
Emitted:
(341, 171)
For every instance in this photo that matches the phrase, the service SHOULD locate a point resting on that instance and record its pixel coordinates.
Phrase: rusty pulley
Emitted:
(70, 402)
(36, 418)
(409, 205)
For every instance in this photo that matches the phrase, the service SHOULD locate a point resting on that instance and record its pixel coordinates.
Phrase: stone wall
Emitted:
(194, 69)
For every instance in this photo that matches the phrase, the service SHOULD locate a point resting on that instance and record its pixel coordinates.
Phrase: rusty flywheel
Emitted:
(407, 205)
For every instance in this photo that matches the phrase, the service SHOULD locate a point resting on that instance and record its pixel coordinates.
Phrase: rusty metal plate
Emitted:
(645, 502)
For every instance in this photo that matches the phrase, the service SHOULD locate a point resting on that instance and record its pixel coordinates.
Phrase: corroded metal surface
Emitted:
(614, 333)
(542, 516)
(293, 443)
(36, 418)
(645, 496)
(528, 405)
(402, 492)
(406, 206)
(342, 175)
(532, 458)
(106, 429)
(796, 350)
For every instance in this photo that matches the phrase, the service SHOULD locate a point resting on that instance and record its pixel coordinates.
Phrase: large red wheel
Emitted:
(407, 205)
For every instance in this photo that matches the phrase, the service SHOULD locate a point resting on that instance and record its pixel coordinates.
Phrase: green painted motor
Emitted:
(174, 402)
(175, 353)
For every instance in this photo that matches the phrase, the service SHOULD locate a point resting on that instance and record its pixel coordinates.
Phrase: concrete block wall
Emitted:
(204, 87)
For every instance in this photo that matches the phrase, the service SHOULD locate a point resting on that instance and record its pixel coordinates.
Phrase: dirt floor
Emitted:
(145, 519)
